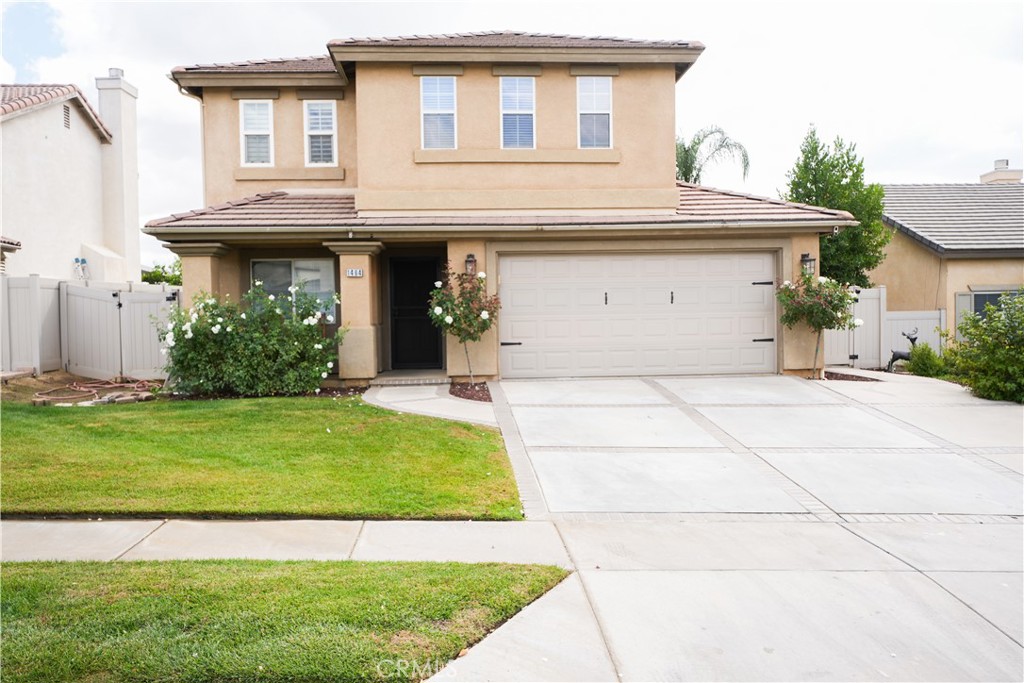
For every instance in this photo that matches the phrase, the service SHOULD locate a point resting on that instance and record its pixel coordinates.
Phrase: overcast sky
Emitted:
(928, 91)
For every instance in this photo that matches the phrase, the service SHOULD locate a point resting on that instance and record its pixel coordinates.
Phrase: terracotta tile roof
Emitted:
(19, 99)
(520, 39)
(959, 218)
(317, 64)
(7, 244)
(698, 206)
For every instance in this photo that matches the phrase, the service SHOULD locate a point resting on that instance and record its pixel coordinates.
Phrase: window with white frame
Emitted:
(316, 276)
(257, 129)
(321, 123)
(594, 103)
(437, 106)
(517, 112)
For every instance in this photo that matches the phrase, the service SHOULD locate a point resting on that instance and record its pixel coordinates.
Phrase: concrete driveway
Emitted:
(766, 528)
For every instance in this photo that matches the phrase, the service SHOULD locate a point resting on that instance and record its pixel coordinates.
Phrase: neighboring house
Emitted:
(956, 247)
(70, 181)
(546, 161)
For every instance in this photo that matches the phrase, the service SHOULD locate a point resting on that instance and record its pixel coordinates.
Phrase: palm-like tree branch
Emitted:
(709, 144)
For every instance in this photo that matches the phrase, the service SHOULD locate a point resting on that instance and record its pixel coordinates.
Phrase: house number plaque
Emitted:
(353, 272)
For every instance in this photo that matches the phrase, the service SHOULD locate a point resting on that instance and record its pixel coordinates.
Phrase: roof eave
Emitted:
(494, 230)
(195, 81)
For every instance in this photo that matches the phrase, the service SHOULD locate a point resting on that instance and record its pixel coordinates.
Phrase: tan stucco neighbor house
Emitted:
(546, 161)
(956, 246)
(70, 181)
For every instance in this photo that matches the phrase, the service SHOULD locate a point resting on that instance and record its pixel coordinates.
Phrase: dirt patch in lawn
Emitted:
(473, 392)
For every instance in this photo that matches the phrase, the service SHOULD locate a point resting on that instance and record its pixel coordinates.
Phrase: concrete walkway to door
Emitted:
(766, 528)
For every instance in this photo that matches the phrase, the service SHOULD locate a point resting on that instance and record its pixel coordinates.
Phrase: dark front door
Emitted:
(415, 342)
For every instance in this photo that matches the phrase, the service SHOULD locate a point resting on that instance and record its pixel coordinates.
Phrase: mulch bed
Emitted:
(473, 392)
(850, 378)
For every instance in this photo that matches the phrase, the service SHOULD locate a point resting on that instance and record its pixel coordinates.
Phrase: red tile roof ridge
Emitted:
(780, 202)
(261, 61)
(525, 34)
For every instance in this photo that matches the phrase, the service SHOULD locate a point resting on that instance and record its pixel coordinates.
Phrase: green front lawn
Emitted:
(252, 621)
(287, 457)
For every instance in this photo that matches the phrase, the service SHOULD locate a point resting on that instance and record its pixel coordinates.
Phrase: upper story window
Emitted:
(321, 124)
(437, 106)
(594, 103)
(517, 112)
(257, 129)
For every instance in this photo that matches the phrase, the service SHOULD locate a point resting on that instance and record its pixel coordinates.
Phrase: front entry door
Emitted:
(415, 342)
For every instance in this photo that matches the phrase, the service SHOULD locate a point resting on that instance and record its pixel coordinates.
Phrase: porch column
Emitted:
(798, 343)
(484, 353)
(359, 278)
(200, 268)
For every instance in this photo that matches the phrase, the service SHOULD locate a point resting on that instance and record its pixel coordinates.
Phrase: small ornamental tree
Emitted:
(268, 346)
(460, 306)
(821, 303)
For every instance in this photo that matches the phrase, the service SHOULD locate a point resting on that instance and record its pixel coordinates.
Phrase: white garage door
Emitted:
(645, 314)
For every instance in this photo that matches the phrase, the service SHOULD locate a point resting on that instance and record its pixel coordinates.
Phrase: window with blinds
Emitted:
(594, 103)
(437, 107)
(321, 133)
(517, 112)
(257, 129)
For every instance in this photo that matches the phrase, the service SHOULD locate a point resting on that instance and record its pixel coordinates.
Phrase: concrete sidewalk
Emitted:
(432, 400)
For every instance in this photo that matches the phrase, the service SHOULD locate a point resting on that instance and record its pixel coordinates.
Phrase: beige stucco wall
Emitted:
(224, 176)
(917, 279)
(395, 175)
(53, 194)
(914, 276)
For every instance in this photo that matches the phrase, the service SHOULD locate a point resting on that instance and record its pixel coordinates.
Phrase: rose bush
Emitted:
(461, 307)
(266, 346)
(821, 303)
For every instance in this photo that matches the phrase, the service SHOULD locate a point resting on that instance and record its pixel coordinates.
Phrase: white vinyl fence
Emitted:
(872, 344)
(100, 330)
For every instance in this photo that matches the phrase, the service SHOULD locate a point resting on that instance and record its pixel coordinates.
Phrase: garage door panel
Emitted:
(665, 314)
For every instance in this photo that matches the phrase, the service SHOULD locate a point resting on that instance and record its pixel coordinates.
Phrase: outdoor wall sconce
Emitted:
(807, 263)
(470, 264)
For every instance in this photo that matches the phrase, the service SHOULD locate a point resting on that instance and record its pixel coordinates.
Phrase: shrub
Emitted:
(268, 346)
(990, 356)
(924, 362)
(460, 306)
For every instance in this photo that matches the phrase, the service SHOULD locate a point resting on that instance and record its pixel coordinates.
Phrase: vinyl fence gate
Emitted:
(113, 333)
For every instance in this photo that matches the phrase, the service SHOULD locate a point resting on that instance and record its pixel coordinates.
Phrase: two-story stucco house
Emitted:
(546, 161)
(71, 180)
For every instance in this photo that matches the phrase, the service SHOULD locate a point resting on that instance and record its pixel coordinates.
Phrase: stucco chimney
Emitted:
(1002, 174)
(121, 230)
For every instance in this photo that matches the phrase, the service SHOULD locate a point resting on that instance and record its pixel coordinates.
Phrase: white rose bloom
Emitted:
(258, 283)
(243, 316)
(211, 301)
(318, 346)
(270, 297)
(323, 375)
(822, 280)
(330, 364)
(215, 329)
(438, 310)
(220, 320)
(787, 283)
(448, 319)
(481, 275)
(437, 284)
(485, 315)
(170, 325)
(857, 322)
(189, 335)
